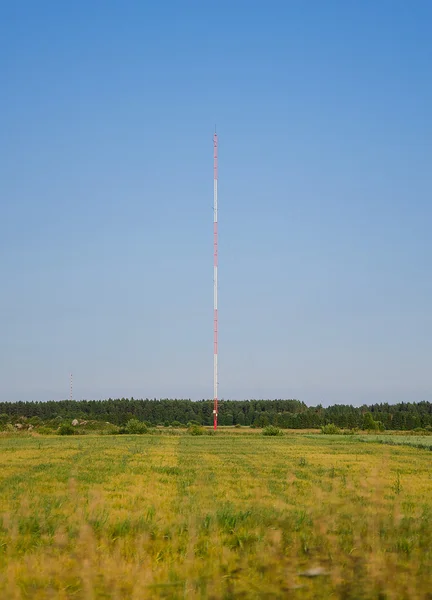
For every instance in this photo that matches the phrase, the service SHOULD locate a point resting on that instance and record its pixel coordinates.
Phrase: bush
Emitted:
(110, 430)
(176, 424)
(237, 426)
(196, 430)
(133, 426)
(66, 429)
(272, 430)
(330, 429)
(45, 430)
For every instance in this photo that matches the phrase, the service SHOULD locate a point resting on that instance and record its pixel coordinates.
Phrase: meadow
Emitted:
(224, 516)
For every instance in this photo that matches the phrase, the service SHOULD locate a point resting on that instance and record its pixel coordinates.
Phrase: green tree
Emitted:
(369, 423)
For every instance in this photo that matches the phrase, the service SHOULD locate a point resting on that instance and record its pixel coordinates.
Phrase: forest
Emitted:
(286, 414)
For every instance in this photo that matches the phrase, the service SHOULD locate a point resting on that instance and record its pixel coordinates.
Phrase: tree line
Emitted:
(287, 414)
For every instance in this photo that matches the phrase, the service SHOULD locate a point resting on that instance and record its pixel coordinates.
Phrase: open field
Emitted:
(225, 516)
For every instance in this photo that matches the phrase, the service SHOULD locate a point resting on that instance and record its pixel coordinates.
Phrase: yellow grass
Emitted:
(225, 516)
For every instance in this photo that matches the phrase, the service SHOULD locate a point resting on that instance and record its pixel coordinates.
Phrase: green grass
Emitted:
(390, 438)
(418, 441)
(230, 516)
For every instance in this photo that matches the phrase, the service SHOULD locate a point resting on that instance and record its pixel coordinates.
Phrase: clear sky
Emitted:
(324, 116)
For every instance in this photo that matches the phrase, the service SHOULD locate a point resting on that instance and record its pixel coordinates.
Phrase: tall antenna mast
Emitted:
(71, 386)
(215, 280)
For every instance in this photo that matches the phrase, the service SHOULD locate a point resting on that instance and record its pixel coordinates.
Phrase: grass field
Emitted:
(229, 516)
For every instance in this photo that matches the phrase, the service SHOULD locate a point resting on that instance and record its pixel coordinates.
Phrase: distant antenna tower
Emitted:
(215, 280)
(71, 380)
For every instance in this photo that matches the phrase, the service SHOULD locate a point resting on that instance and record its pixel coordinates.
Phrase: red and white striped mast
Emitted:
(215, 280)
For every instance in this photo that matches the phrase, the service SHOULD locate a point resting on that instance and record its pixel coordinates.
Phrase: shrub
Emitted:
(134, 426)
(196, 430)
(66, 429)
(237, 426)
(176, 424)
(272, 430)
(110, 430)
(330, 429)
(45, 430)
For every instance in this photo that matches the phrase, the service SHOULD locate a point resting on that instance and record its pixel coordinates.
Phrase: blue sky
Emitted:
(323, 111)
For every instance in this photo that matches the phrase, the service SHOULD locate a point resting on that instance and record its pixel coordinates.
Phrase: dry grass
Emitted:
(213, 517)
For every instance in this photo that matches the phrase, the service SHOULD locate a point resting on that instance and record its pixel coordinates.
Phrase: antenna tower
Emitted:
(215, 280)
(71, 386)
